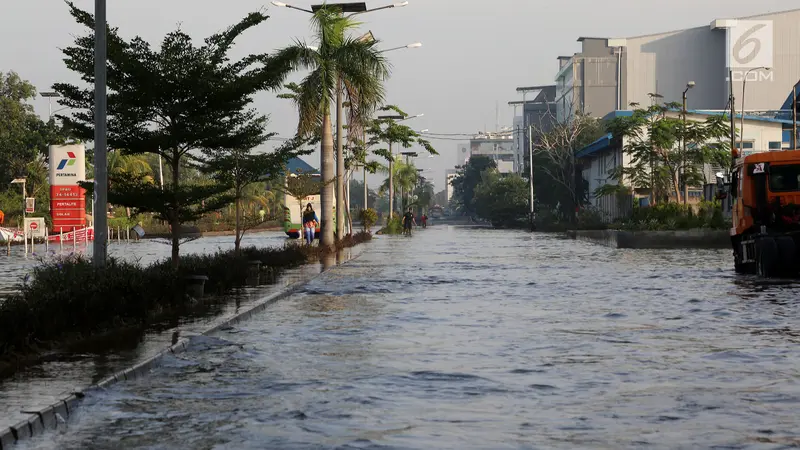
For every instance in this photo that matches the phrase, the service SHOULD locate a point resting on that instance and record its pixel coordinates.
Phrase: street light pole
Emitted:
(689, 85)
(530, 155)
(741, 122)
(100, 157)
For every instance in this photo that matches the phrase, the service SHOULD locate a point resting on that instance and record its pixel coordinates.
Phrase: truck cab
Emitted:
(765, 229)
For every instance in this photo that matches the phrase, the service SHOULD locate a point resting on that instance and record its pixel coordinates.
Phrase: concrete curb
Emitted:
(679, 239)
(55, 416)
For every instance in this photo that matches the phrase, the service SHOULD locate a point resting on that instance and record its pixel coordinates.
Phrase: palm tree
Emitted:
(336, 61)
(403, 178)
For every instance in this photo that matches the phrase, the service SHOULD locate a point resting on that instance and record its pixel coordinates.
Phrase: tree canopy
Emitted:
(180, 101)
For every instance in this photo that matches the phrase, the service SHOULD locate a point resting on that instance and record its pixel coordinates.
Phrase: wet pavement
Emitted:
(481, 339)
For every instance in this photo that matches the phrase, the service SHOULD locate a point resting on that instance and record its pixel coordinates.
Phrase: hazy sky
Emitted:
(475, 52)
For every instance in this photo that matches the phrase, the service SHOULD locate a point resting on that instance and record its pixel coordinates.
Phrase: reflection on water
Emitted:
(481, 339)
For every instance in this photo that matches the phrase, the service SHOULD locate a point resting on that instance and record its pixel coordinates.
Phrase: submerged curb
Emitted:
(55, 416)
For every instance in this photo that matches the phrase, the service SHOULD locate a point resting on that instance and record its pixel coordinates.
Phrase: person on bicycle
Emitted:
(408, 221)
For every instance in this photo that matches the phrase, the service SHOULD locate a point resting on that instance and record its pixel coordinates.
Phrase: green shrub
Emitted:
(674, 216)
(394, 226)
(369, 217)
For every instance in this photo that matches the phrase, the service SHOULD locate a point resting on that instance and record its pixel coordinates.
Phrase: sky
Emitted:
(475, 53)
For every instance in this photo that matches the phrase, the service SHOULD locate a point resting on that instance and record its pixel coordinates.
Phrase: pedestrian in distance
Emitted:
(408, 222)
(310, 222)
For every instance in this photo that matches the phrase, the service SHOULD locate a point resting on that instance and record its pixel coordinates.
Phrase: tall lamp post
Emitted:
(403, 193)
(394, 118)
(100, 156)
(353, 8)
(366, 190)
(50, 96)
(741, 121)
(689, 85)
(529, 128)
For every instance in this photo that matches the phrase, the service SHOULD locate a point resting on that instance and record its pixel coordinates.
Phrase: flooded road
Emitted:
(481, 339)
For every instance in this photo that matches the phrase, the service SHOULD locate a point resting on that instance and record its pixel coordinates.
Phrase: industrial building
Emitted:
(609, 74)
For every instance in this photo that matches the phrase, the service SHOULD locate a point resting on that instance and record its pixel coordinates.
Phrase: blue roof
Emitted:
(618, 113)
(596, 146)
(297, 165)
(739, 116)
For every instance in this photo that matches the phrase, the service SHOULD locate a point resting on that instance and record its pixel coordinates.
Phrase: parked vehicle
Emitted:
(765, 231)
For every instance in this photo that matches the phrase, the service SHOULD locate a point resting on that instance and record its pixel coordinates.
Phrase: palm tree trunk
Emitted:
(238, 241)
(340, 175)
(391, 184)
(175, 219)
(328, 175)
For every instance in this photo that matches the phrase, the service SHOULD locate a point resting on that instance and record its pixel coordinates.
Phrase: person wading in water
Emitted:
(408, 221)
(310, 222)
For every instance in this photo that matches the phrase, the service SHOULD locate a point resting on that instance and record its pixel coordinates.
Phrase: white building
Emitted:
(497, 145)
(761, 134)
(449, 176)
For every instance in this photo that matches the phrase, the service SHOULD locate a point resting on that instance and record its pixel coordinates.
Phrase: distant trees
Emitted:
(502, 199)
(467, 180)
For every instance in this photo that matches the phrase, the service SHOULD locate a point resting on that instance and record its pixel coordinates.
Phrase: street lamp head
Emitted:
(280, 4)
(400, 4)
(414, 45)
(691, 84)
(423, 131)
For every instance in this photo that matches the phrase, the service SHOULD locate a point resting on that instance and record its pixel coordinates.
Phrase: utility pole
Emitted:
(733, 119)
(100, 156)
(794, 117)
(530, 155)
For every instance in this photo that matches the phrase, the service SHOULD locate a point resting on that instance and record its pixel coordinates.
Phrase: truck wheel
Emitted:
(767, 256)
(787, 251)
(738, 265)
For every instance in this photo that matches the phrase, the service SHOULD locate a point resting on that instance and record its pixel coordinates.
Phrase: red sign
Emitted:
(66, 225)
(67, 192)
(34, 225)
(68, 214)
(67, 204)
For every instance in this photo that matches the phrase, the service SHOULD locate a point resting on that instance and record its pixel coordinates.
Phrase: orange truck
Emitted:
(765, 200)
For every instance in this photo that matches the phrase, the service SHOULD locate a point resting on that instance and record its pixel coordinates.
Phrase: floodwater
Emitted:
(18, 264)
(464, 338)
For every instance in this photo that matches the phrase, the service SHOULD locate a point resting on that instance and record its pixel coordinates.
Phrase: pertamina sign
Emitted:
(67, 199)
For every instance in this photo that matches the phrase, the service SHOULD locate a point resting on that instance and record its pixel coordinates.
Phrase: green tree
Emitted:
(337, 60)
(557, 179)
(660, 161)
(467, 179)
(23, 135)
(391, 132)
(177, 102)
(403, 177)
(501, 199)
(237, 169)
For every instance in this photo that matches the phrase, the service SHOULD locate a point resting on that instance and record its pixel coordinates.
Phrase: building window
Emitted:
(747, 145)
(775, 145)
